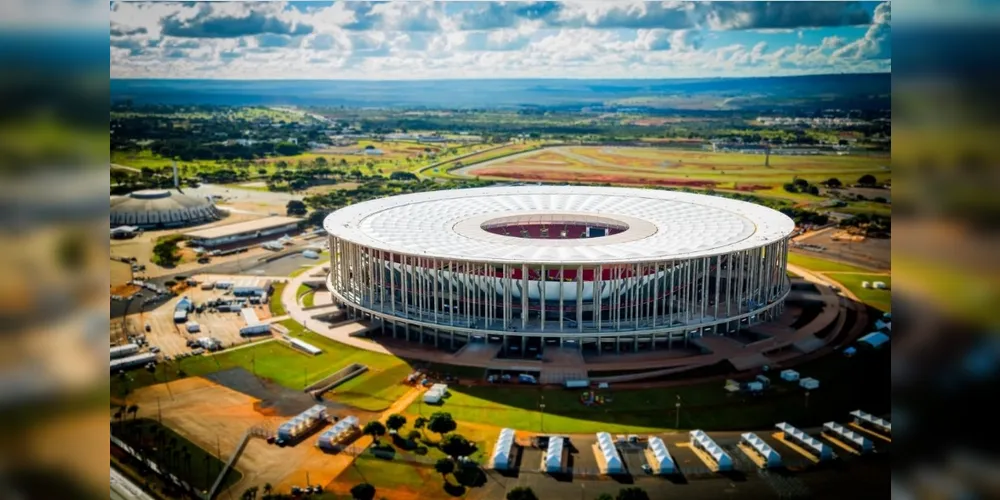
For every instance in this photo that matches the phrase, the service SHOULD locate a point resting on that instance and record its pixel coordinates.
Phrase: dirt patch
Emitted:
(274, 400)
(750, 187)
(592, 177)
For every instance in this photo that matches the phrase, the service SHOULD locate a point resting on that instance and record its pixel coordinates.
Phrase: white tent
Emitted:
(771, 457)
(664, 462)
(867, 419)
(861, 443)
(553, 454)
(502, 448)
(817, 447)
(701, 440)
(789, 375)
(610, 453)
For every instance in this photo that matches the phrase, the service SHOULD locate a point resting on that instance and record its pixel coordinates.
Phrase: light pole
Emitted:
(807, 399)
(542, 407)
(677, 421)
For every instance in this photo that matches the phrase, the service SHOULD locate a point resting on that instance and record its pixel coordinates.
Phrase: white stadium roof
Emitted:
(662, 225)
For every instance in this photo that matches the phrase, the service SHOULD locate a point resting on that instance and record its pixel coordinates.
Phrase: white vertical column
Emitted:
(579, 300)
(562, 309)
(541, 298)
(524, 298)
(598, 301)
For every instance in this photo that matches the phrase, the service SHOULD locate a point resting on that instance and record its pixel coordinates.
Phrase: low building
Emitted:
(243, 231)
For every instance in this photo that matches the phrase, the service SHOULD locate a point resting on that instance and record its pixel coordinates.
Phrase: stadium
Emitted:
(593, 268)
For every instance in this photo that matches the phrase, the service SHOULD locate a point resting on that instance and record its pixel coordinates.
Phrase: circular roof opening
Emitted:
(554, 226)
(150, 194)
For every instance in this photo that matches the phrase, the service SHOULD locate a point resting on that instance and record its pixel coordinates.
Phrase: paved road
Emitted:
(124, 489)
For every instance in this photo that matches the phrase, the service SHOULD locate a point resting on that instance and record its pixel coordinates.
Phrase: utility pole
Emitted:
(159, 413)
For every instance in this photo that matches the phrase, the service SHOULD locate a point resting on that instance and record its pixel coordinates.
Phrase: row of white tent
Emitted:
(435, 394)
(344, 428)
(554, 454)
(771, 457)
(302, 423)
(502, 449)
(701, 440)
(868, 420)
(612, 460)
(841, 433)
(813, 445)
(664, 462)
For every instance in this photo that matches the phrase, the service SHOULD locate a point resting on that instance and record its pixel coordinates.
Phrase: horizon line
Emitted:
(564, 78)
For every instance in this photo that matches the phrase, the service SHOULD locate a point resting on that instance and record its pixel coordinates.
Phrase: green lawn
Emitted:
(846, 384)
(277, 308)
(289, 367)
(308, 299)
(823, 265)
(200, 471)
(300, 271)
(879, 299)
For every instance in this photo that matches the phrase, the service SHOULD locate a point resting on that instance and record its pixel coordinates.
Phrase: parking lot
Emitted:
(172, 337)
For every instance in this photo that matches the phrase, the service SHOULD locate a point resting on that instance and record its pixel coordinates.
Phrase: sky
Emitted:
(412, 39)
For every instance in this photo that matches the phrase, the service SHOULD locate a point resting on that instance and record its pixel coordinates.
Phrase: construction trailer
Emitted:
(553, 459)
(132, 361)
(124, 350)
(501, 457)
(254, 326)
(872, 422)
(754, 442)
(701, 441)
(338, 435)
(192, 327)
(809, 383)
(612, 460)
(789, 375)
(302, 423)
(576, 384)
(812, 445)
(663, 462)
(853, 439)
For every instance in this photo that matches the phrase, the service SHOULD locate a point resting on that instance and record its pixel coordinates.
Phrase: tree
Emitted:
(801, 184)
(133, 409)
(867, 180)
(813, 190)
(250, 493)
(281, 164)
(444, 466)
(521, 493)
(395, 421)
(320, 162)
(296, 207)
(605, 496)
(413, 435)
(441, 423)
(402, 176)
(832, 182)
(790, 187)
(363, 491)
(632, 493)
(268, 489)
(374, 429)
(455, 445)
(419, 423)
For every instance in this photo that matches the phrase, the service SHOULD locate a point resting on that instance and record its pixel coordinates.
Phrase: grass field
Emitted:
(274, 303)
(411, 471)
(291, 368)
(200, 470)
(879, 299)
(845, 386)
(823, 265)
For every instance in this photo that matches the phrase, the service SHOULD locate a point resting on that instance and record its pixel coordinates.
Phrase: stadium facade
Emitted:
(618, 268)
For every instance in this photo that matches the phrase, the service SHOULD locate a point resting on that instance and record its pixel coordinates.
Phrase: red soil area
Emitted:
(549, 175)
(750, 187)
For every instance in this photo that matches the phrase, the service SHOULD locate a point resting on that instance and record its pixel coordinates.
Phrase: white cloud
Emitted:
(424, 40)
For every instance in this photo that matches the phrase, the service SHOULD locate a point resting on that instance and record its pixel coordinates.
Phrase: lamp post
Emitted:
(807, 399)
(542, 408)
(677, 421)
